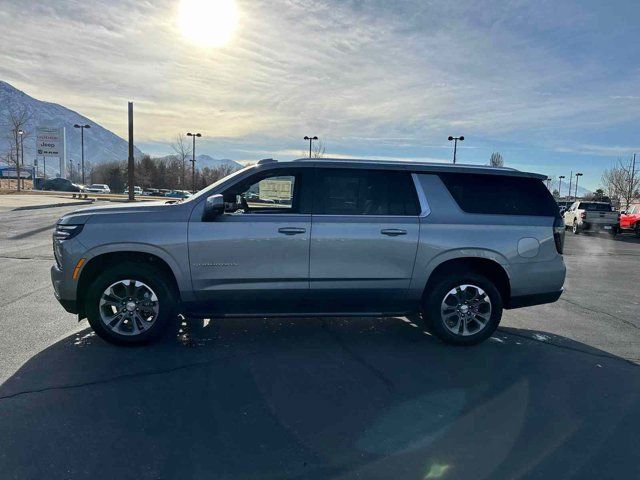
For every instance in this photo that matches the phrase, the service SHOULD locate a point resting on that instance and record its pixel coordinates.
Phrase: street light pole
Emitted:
(193, 160)
(82, 127)
(578, 175)
(570, 180)
(311, 139)
(455, 145)
(633, 173)
(21, 133)
(560, 185)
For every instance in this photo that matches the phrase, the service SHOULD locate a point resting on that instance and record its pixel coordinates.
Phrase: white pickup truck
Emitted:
(591, 216)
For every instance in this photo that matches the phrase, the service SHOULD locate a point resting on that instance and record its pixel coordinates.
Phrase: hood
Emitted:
(83, 215)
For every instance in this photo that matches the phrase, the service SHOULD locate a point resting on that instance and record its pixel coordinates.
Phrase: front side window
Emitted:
(364, 192)
(267, 192)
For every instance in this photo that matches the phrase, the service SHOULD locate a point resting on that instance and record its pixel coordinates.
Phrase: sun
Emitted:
(208, 23)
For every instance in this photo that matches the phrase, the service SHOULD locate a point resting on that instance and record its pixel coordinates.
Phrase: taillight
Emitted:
(583, 215)
(558, 234)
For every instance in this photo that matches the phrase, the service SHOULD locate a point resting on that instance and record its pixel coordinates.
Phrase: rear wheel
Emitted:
(463, 308)
(130, 303)
(574, 228)
(637, 229)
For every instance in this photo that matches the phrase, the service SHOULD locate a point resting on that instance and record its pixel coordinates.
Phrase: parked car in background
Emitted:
(347, 238)
(98, 188)
(136, 190)
(151, 192)
(587, 215)
(61, 185)
(178, 194)
(630, 219)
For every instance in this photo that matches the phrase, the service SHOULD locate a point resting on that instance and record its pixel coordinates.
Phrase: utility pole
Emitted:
(21, 133)
(633, 172)
(311, 139)
(455, 145)
(193, 160)
(132, 164)
(560, 185)
(570, 179)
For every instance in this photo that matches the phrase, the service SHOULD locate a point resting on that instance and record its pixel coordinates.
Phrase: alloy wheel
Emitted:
(128, 307)
(466, 310)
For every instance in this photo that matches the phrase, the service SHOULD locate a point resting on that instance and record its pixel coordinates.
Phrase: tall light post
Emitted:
(193, 160)
(570, 180)
(578, 175)
(560, 185)
(455, 145)
(21, 133)
(311, 139)
(82, 127)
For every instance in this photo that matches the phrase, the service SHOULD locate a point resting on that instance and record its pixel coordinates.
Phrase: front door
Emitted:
(364, 239)
(255, 257)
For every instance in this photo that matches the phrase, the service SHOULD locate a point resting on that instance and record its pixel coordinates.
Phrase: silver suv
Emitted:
(452, 244)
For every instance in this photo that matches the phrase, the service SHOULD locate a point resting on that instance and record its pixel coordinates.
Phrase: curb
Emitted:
(52, 205)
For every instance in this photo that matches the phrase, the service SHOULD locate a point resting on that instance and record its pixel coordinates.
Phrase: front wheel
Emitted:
(637, 229)
(130, 304)
(463, 308)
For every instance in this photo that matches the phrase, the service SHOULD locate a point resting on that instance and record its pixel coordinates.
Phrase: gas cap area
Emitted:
(528, 247)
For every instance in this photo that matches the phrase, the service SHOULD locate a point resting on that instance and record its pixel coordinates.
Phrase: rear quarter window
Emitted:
(500, 194)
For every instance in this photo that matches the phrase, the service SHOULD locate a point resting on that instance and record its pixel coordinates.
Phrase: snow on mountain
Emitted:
(100, 144)
(564, 189)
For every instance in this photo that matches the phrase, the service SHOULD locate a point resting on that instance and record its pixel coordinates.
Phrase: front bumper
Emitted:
(58, 279)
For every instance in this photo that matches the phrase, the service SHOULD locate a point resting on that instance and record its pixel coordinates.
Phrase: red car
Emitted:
(630, 220)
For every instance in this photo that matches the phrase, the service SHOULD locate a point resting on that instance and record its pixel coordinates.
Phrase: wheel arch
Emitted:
(95, 265)
(489, 264)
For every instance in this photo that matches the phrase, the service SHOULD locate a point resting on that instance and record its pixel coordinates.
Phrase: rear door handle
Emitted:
(292, 230)
(393, 232)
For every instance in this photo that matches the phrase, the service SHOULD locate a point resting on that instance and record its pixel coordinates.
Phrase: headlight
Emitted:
(65, 232)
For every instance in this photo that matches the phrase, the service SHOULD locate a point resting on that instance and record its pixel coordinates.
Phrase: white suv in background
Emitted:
(98, 188)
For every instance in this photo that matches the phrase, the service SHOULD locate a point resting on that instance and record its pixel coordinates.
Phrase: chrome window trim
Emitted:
(422, 198)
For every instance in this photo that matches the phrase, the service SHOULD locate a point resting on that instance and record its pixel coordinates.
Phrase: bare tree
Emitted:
(17, 118)
(621, 183)
(182, 149)
(496, 160)
(317, 150)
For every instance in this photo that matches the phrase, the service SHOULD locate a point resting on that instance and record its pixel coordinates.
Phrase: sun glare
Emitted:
(209, 23)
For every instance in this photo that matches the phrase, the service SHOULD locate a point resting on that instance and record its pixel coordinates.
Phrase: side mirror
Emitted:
(214, 206)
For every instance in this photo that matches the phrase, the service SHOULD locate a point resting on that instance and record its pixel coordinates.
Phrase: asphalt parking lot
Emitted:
(555, 393)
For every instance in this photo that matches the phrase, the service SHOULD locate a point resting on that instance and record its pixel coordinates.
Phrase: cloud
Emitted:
(380, 74)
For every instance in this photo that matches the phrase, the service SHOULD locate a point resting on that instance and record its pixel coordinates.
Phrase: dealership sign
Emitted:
(49, 142)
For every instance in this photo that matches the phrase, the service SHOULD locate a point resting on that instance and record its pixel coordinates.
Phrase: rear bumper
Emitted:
(534, 299)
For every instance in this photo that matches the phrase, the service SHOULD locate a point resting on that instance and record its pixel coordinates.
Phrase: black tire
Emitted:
(637, 230)
(150, 275)
(575, 229)
(433, 300)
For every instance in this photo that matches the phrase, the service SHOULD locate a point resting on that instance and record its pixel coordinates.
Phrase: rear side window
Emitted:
(595, 207)
(500, 194)
(364, 192)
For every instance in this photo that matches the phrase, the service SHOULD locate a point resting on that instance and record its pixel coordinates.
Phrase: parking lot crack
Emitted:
(117, 378)
(594, 310)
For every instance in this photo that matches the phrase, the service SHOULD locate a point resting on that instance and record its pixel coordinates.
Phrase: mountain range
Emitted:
(204, 160)
(564, 188)
(100, 144)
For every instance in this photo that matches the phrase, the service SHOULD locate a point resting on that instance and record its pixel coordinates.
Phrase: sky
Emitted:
(554, 86)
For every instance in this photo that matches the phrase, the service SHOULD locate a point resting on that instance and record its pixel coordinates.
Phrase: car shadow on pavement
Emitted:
(321, 398)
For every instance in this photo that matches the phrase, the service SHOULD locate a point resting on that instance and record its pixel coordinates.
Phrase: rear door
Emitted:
(364, 238)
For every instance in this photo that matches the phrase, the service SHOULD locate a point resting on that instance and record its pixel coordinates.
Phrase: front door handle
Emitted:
(292, 230)
(393, 232)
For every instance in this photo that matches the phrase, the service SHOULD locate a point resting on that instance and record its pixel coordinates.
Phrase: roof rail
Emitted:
(266, 160)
